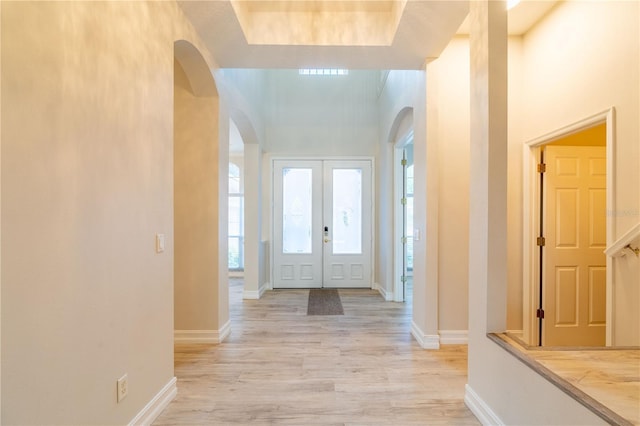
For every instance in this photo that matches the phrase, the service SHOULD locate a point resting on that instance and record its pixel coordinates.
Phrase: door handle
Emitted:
(326, 240)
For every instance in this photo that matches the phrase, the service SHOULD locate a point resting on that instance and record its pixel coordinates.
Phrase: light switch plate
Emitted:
(159, 243)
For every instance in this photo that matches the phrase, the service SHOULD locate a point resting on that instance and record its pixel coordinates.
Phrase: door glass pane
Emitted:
(347, 211)
(296, 210)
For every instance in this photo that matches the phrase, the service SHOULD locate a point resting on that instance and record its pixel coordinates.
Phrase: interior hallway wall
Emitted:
(448, 100)
(452, 74)
(397, 100)
(582, 59)
(242, 91)
(579, 60)
(321, 115)
(196, 208)
(410, 90)
(87, 182)
(449, 95)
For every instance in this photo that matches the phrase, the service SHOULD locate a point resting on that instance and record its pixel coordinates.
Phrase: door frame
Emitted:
(398, 215)
(531, 221)
(273, 159)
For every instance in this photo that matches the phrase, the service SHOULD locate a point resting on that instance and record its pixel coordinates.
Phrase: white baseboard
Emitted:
(386, 295)
(224, 332)
(454, 337)
(251, 294)
(157, 405)
(479, 408)
(210, 337)
(255, 294)
(426, 341)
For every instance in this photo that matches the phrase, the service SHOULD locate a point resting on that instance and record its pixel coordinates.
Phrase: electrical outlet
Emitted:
(123, 388)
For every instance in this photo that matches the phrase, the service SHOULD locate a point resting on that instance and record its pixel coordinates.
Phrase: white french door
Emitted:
(322, 223)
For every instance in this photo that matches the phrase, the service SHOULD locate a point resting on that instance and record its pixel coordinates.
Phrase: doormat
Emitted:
(324, 302)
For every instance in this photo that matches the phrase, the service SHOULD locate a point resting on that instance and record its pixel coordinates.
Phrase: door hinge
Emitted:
(403, 162)
(403, 240)
(542, 168)
(540, 241)
(540, 313)
(403, 279)
(403, 201)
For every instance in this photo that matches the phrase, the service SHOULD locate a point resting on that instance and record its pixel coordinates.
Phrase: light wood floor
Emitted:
(280, 366)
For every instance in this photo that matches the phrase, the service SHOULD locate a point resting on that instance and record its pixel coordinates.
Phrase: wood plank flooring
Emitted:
(280, 366)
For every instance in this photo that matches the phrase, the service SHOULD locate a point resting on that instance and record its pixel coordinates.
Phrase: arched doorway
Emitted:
(201, 305)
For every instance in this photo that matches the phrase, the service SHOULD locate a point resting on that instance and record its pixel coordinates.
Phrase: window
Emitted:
(323, 71)
(236, 219)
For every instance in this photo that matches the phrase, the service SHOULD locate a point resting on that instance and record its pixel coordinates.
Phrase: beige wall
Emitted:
(581, 60)
(195, 207)
(533, 106)
(449, 83)
(514, 185)
(407, 92)
(449, 79)
(87, 168)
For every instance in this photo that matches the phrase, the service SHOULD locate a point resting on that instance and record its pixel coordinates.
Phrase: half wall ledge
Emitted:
(625, 414)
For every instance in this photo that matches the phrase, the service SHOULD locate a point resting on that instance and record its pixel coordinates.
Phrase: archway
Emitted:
(255, 253)
(201, 305)
(409, 125)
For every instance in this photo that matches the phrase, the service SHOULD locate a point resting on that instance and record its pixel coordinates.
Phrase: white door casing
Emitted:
(531, 220)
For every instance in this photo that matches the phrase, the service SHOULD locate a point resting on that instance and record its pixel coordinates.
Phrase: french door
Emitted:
(322, 223)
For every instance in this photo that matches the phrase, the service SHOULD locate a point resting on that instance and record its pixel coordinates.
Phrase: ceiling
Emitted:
(353, 34)
(522, 17)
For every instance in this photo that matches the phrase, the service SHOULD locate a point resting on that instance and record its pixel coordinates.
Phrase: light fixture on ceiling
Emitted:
(512, 3)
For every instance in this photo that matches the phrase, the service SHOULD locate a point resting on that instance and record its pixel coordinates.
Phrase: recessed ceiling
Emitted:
(319, 23)
(356, 34)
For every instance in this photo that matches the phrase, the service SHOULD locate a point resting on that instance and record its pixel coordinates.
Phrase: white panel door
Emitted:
(574, 279)
(347, 222)
(322, 224)
(297, 224)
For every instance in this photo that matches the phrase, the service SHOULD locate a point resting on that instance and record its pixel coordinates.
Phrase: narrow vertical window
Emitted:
(236, 219)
